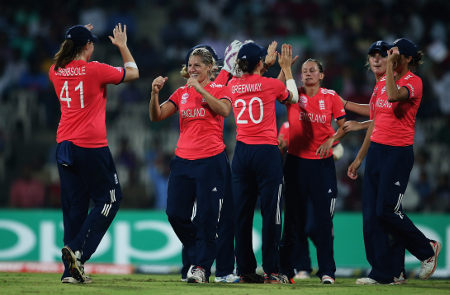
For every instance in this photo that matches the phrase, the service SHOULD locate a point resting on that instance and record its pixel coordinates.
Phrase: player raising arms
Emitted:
(200, 168)
(257, 165)
(309, 172)
(376, 61)
(85, 165)
(395, 271)
(389, 148)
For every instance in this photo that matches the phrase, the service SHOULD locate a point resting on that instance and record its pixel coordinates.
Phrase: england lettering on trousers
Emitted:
(193, 113)
(315, 118)
(246, 88)
(78, 71)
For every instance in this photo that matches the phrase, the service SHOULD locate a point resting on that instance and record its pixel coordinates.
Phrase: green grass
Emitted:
(26, 283)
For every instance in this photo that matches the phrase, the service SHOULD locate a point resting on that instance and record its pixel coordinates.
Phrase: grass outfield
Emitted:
(31, 283)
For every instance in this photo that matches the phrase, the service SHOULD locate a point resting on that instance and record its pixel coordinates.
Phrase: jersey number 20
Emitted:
(250, 110)
(64, 95)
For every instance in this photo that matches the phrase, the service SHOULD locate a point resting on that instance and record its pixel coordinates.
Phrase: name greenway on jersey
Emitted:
(244, 88)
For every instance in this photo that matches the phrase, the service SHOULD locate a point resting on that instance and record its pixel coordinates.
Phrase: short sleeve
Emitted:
(414, 86)
(175, 98)
(338, 107)
(225, 93)
(222, 78)
(282, 93)
(107, 74)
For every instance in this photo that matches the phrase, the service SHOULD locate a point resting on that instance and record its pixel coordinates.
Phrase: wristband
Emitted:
(130, 64)
(346, 102)
(292, 87)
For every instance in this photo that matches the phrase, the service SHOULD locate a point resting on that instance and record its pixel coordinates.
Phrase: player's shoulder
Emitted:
(51, 70)
(271, 81)
(410, 76)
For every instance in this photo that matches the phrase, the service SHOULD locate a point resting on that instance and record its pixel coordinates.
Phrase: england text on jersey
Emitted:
(315, 118)
(72, 71)
(192, 113)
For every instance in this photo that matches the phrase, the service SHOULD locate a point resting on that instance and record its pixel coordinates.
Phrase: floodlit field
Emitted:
(29, 283)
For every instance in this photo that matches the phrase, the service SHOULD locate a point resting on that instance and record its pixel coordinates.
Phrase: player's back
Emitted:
(254, 107)
(81, 90)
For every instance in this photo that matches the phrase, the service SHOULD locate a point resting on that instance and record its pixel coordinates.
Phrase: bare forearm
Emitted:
(281, 77)
(132, 72)
(219, 106)
(365, 146)
(358, 108)
(154, 109)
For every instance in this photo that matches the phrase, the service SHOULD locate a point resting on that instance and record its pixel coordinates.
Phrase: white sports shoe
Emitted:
(366, 281)
(71, 280)
(400, 280)
(231, 278)
(75, 265)
(327, 280)
(302, 275)
(429, 265)
(196, 274)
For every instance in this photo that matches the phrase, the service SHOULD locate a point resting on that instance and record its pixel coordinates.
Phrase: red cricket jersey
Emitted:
(254, 107)
(81, 90)
(222, 77)
(201, 129)
(394, 122)
(310, 122)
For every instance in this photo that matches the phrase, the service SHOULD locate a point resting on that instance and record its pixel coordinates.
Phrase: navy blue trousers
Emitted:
(199, 184)
(301, 260)
(87, 174)
(225, 259)
(309, 181)
(257, 173)
(387, 230)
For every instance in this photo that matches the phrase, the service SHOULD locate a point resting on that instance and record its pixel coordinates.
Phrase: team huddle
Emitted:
(210, 201)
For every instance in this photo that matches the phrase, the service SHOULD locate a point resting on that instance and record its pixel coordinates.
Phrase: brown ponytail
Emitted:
(67, 52)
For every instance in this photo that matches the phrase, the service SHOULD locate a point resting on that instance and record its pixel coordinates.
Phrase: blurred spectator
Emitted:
(441, 197)
(162, 31)
(423, 188)
(126, 156)
(159, 175)
(134, 193)
(27, 191)
(441, 86)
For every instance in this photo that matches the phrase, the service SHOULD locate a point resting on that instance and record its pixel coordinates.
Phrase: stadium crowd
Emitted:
(160, 33)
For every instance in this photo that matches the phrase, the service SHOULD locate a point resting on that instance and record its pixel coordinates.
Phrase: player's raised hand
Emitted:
(158, 84)
(89, 27)
(271, 56)
(193, 82)
(285, 57)
(393, 56)
(119, 37)
(230, 56)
